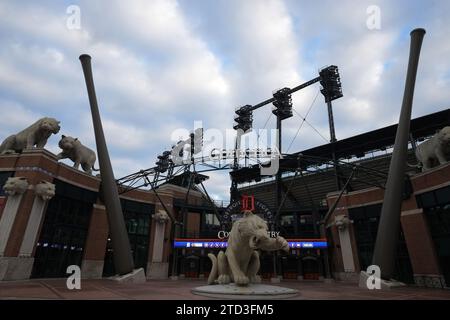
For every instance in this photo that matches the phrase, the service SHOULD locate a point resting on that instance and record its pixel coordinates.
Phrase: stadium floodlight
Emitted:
(244, 118)
(162, 164)
(283, 103)
(331, 83)
(198, 140)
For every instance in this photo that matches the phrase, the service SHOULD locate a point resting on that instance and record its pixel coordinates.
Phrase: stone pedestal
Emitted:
(430, 280)
(157, 270)
(137, 276)
(275, 280)
(252, 291)
(92, 269)
(15, 268)
(384, 284)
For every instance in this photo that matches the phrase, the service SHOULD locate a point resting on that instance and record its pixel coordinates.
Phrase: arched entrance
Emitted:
(64, 231)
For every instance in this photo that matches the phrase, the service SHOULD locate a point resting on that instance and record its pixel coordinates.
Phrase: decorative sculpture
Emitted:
(160, 216)
(45, 190)
(434, 151)
(78, 153)
(35, 135)
(240, 262)
(15, 186)
(342, 222)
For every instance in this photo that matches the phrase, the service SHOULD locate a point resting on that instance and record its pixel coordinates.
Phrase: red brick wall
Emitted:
(420, 245)
(193, 223)
(24, 211)
(2, 205)
(97, 235)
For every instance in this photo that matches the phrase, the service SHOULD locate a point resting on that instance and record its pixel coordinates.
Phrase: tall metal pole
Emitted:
(388, 229)
(333, 143)
(331, 122)
(123, 260)
(278, 176)
(278, 192)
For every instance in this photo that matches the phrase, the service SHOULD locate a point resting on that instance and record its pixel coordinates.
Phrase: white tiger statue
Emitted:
(15, 186)
(74, 150)
(435, 151)
(35, 135)
(161, 216)
(240, 262)
(45, 190)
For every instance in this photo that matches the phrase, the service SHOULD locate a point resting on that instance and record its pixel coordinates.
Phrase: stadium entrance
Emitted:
(64, 231)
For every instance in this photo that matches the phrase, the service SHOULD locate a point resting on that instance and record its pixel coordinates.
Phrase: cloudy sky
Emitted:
(160, 65)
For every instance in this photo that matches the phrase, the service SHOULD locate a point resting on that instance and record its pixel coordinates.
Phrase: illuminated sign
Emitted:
(211, 244)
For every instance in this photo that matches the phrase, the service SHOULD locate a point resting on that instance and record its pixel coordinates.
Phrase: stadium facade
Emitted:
(41, 235)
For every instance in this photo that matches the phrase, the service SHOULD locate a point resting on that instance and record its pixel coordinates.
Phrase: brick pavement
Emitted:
(168, 290)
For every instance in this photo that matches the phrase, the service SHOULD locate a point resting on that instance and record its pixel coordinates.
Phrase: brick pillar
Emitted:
(342, 223)
(158, 267)
(2, 205)
(94, 252)
(15, 188)
(424, 259)
(44, 191)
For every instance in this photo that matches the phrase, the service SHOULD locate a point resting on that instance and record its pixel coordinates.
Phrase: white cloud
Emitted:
(18, 117)
(159, 65)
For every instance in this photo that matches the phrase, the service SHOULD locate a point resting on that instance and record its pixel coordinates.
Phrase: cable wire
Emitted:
(304, 119)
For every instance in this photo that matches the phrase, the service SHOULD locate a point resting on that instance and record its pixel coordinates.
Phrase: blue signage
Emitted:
(209, 244)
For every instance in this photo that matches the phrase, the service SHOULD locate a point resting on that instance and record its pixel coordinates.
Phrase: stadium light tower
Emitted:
(331, 90)
(282, 106)
(244, 118)
(162, 164)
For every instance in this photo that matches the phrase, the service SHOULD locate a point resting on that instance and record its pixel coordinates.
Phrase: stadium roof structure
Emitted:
(356, 146)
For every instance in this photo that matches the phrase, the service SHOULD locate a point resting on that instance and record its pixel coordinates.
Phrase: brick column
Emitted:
(158, 267)
(2, 205)
(94, 252)
(15, 187)
(422, 253)
(20, 265)
(342, 223)
(44, 192)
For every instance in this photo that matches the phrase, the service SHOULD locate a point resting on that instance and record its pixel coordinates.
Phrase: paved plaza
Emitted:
(181, 290)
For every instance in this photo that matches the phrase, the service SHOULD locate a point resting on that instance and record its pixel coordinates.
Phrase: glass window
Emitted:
(3, 177)
(64, 231)
(443, 196)
(426, 200)
(365, 223)
(287, 220)
(438, 218)
(137, 218)
(211, 219)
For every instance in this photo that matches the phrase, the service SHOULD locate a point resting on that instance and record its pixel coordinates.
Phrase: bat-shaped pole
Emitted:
(389, 227)
(123, 260)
